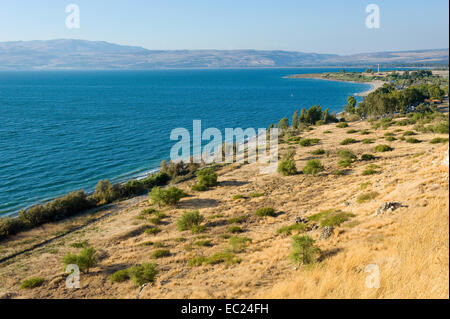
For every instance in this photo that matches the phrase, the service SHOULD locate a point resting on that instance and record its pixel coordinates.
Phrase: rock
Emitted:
(300, 220)
(388, 207)
(7, 295)
(326, 233)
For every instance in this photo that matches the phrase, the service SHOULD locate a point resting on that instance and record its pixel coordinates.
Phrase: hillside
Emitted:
(410, 244)
(67, 54)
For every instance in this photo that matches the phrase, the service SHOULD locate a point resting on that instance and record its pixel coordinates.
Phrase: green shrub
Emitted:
(368, 141)
(366, 197)
(266, 211)
(161, 253)
(318, 152)
(390, 139)
(287, 167)
(438, 140)
(383, 148)
(203, 243)
(32, 283)
(82, 244)
(348, 141)
(189, 220)
(85, 260)
(342, 125)
(237, 220)
(289, 229)
(367, 157)
(170, 196)
(239, 196)
(153, 231)
(313, 166)
(223, 257)
(336, 219)
(309, 142)
(331, 217)
(143, 274)
(238, 244)
(369, 171)
(196, 261)
(198, 229)
(365, 132)
(409, 133)
(388, 134)
(365, 185)
(413, 140)
(120, 276)
(303, 250)
(255, 195)
(352, 131)
(206, 178)
(235, 229)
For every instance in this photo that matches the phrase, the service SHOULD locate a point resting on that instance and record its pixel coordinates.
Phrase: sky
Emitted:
(321, 26)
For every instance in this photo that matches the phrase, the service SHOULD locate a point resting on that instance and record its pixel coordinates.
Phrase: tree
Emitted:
(295, 120)
(351, 105)
(284, 124)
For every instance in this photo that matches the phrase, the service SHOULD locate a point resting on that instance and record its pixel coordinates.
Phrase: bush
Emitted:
(289, 229)
(160, 253)
(238, 244)
(409, 133)
(120, 276)
(303, 250)
(170, 196)
(235, 229)
(369, 171)
(143, 274)
(238, 196)
(206, 178)
(10, 226)
(237, 220)
(366, 197)
(352, 131)
(413, 140)
(313, 166)
(256, 195)
(383, 148)
(153, 231)
(266, 211)
(331, 217)
(390, 139)
(203, 243)
(309, 142)
(368, 141)
(342, 125)
(348, 141)
(32, 283)
(438, 140)
(336, 219)
(367, 157)
(85, 260)
(287, 167)
(318, 152)
(189, 220)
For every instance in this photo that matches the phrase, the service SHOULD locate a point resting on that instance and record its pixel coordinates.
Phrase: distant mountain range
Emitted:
(96, 55)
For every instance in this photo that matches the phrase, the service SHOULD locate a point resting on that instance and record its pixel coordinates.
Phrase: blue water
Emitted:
(63, 131)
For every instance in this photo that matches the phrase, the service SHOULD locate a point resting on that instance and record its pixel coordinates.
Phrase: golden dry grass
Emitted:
(410, 245)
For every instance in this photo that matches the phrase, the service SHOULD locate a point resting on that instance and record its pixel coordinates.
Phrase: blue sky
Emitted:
(325, 26)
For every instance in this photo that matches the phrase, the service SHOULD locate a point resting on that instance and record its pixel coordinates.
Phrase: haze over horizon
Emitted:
(289, 25)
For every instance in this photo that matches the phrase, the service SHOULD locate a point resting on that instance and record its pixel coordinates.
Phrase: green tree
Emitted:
(351, 105)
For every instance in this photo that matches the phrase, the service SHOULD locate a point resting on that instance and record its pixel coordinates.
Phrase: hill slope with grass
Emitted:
(310, 234)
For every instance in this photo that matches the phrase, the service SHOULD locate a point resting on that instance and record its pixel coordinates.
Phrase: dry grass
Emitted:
(414, 263)
(410, 245)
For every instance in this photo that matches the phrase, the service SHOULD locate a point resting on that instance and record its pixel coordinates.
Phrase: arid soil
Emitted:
(409, 245)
